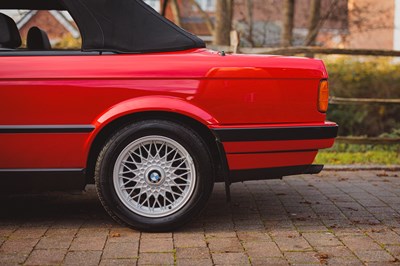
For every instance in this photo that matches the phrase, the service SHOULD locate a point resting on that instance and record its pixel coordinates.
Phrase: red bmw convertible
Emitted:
(148, 114)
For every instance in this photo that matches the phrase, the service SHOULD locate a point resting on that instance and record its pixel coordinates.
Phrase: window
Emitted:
(155, 4)
(207, 5)
(44, 30)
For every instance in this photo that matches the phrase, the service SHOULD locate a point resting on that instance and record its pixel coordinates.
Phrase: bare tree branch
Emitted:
(205, 16)
(288, 22)
(316, 21)
(223, 23)
(176, 12)
(249, 9)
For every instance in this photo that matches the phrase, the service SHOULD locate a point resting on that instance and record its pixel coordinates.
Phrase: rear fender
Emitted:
(149, 104)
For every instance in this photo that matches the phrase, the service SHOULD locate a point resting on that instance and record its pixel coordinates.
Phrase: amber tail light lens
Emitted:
(323, 96)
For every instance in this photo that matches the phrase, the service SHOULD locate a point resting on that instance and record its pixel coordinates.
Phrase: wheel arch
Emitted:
(110, 128)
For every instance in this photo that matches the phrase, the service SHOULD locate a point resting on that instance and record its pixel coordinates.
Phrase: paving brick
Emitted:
(119, 262)
(230, 259)
(119, 235)
(93, 232)
(156, 258)
(358, 242)
(333, 217)
(394, 250)
(25, 233)
(88, 243)
(189, 240)
(221, 233)
(269, 262)
(191, 262)
(156, 245)
(347, 261)
(55, 242)
(338, 251)
(86, 258)
(259, 249)
(295, 243)
(385, 237)
(18, 245)
(58, 232)
(156, 235)
(12, 259)
(251, 236)
(194, 253)
(322, 239)
(46, 257)
(6, 231)
(224, 245)
(374, 256)
(302, 257)
(123, 250)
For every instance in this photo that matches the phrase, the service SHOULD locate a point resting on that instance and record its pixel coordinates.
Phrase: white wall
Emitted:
(396, 37)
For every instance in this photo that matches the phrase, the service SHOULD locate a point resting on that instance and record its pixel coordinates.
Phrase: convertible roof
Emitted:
(127, 26)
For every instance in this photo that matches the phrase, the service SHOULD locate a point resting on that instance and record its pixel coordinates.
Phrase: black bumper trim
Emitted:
(29, 129)
(273, 173)
(33, 180)
(275, 133)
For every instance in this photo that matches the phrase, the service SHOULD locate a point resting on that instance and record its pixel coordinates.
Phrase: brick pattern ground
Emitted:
(335, 218)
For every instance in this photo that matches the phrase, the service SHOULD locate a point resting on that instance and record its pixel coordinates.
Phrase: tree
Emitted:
(288, 22)
(223, 22)
(249, 9)
(176, 13)
(222, 27)
(205, 16)
(316, 22)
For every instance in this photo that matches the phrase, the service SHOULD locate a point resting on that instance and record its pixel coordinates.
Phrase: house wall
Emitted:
(45, 21)
(396, 41)
(371, 24)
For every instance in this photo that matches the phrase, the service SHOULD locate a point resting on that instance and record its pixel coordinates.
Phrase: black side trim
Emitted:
(273, 173)
(33, 180)
(19, 52)
(46, 129)
(276, 133)
(280, 151)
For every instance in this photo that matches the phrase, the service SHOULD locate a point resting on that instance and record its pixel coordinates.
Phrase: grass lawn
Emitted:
(359, 154)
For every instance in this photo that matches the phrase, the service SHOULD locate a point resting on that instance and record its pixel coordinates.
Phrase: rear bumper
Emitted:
(273, 151)
(273, 173)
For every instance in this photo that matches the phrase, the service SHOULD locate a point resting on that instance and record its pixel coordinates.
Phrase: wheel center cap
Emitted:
(154, 175)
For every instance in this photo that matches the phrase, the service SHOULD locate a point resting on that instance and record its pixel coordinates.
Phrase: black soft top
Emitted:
(126, 26)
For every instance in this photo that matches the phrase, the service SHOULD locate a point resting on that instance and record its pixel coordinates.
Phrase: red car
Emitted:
(149, 115)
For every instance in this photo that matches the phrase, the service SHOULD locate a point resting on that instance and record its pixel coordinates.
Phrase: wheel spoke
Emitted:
(156, 176)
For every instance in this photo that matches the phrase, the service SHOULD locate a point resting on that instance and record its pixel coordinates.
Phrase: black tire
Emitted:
(114, 200)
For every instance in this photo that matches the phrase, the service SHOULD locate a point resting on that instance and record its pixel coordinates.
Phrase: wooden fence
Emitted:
(311, 51)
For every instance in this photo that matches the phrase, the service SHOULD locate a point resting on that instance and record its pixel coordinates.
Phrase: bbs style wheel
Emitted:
(154, 175)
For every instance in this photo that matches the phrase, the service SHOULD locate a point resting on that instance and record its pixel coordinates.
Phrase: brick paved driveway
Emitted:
(336, 218)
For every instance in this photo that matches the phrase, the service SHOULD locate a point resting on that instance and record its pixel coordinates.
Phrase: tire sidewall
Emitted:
(185, 137)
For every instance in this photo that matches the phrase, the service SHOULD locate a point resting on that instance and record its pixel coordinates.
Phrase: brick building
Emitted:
(374, 24)
(58, 25)
(368, 24)
(351, 24)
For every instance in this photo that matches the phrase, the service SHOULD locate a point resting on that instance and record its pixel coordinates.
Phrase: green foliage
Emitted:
(365, 158)
(359, 154)
(364, 77)
(69, 42)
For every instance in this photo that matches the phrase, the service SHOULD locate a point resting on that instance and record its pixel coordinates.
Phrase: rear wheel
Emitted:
(154, 175)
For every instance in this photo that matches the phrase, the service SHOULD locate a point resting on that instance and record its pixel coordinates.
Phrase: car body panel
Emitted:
(232, 91)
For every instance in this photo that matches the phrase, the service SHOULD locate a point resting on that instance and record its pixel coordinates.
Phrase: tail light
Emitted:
(323, 96)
